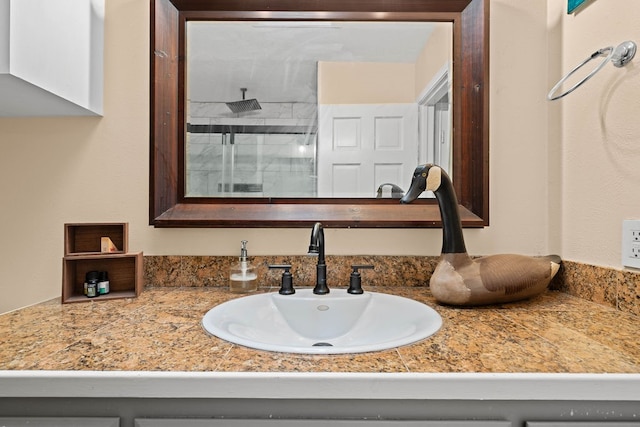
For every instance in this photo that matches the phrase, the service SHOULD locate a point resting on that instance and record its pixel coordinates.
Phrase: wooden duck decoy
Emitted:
(461, 280)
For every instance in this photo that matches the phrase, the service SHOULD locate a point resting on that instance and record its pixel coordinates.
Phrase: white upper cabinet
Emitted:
(51, 57)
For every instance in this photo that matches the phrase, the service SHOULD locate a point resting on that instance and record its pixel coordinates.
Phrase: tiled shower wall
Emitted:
(619, 289)
(275, 165)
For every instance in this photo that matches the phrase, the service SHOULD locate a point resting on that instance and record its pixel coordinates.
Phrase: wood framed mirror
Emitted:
(169, 207)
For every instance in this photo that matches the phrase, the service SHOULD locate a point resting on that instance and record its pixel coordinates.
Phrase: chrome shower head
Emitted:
(244, 105)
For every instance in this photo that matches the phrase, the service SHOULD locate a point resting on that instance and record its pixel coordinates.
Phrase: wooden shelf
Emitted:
(125, 275)
(110, 296)
(84, 239)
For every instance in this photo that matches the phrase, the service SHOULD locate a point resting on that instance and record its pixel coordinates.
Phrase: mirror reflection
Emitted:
(314, 108)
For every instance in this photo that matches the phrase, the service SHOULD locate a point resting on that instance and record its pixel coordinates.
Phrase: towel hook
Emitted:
(619, 57)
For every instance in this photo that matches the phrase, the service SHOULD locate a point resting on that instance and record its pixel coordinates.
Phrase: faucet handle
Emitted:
(355, 281)
(287, 279)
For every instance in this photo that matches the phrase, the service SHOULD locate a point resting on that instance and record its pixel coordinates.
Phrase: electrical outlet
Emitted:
(631, 243)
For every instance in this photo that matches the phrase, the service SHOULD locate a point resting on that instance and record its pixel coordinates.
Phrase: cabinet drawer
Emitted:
(58, 422)
(583, 424)
(166, 422)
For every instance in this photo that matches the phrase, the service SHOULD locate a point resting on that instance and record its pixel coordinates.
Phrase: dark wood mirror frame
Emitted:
(170, 208)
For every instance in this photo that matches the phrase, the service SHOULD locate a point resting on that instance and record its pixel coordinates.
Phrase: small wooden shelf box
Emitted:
(86, 239)
(83, 253)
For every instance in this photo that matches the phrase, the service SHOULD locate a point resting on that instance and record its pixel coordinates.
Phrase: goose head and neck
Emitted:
(432, 178)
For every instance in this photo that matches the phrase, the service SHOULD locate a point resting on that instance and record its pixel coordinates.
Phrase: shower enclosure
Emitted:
(251, 161)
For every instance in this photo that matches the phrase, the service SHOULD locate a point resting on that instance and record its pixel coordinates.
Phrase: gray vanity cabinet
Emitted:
(582, 424)
(59, 422)
(166, 422)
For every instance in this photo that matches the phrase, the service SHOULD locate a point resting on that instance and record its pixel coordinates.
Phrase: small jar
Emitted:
(92, 290)
(91, 284)
(103, 283)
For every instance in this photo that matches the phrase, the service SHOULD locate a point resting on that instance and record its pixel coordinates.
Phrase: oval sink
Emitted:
(322, 324)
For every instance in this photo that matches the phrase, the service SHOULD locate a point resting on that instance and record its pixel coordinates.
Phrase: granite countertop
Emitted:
(160, 331)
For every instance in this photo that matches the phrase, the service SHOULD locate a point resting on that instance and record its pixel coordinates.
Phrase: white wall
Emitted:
(4, 36)
(61, 170)
(51, 57)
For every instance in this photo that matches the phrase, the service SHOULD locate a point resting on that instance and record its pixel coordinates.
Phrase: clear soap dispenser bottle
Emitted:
(243, 277)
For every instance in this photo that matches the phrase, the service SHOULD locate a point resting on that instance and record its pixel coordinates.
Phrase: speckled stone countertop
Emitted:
(160, 331)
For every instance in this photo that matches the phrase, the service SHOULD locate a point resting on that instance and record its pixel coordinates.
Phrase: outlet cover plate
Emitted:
(631, 243)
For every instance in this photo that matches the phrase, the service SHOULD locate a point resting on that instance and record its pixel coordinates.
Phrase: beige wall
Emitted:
(380, 83)
(598, 130)
(54, 171)
(365, 83)
(436, 54)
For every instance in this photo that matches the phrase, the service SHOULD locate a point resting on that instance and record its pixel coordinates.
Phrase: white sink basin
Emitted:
(322, 324)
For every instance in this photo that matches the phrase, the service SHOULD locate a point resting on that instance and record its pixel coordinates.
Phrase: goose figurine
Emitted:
(461, 280)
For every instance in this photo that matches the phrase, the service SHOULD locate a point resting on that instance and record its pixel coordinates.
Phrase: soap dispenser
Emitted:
(243, 277)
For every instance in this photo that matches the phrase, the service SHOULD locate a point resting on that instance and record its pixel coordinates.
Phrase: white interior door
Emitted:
(362, 146)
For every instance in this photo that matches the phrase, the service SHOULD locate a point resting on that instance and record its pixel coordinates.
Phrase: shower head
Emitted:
(244, 105)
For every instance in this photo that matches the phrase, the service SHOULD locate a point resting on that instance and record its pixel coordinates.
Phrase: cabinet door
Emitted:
(58, 422)
(583, 423)
(166, 422)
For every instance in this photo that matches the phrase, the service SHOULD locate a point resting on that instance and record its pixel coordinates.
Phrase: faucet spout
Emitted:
(316, 247)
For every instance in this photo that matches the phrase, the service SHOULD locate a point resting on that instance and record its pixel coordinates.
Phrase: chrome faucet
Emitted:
(316, 247)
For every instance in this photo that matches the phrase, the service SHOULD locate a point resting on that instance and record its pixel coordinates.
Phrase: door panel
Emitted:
(379, 141)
